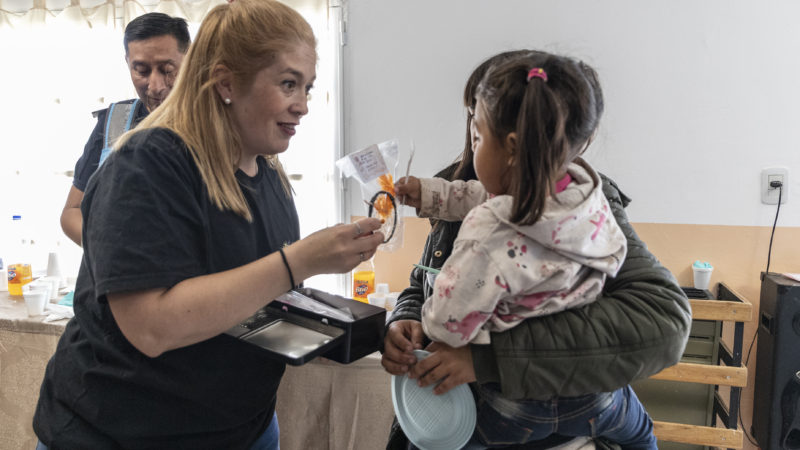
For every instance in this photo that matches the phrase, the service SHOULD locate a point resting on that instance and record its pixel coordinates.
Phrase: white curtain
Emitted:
(34, 14)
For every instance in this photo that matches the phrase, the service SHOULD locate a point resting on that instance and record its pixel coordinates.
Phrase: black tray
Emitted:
(698, 294)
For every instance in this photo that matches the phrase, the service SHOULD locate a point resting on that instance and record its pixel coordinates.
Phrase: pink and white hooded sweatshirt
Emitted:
(500, 273)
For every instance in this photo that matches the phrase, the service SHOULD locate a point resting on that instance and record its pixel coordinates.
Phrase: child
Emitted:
(542, 242)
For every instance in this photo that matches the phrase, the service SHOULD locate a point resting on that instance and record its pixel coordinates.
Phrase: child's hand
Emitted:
(402, 337)
(408, 191)
(451, 365)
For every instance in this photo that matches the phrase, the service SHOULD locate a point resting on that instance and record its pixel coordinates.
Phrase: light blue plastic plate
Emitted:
(433, 422)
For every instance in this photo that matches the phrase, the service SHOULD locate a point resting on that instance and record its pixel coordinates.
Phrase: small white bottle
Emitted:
(3, 277)
(17, 245)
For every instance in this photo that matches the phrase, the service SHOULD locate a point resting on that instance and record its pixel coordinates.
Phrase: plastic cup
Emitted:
(377, 299)
(35, 300)
(53, 268)
(391, 300)
(382, 288)
(55, 284)
(702, 277)
(39, 283)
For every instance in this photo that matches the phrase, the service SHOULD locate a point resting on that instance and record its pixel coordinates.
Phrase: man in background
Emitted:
(155, 45)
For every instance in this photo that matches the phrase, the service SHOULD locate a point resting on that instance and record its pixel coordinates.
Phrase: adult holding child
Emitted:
(191, 228)
(636, 327)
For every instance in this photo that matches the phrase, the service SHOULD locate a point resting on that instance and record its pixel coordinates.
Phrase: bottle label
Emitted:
(363, 284)
(361, 289)
(19, 274)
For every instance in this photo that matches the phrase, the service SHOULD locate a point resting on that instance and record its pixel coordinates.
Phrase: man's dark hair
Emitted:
(156, 24)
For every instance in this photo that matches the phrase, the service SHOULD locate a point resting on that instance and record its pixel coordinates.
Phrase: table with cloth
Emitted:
(321, 405)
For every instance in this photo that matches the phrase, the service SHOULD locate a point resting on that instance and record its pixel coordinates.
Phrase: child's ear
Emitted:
(510, 146)
(224, 84)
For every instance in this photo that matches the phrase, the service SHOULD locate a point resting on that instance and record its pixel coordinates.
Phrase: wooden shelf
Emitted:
(705, 374)
(721, 310)
(728, 307)
(696, 434)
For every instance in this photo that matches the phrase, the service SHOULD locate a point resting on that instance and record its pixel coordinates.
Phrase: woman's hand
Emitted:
(336, 249)
(402, 337)
(408, 191)
(205, 306)
(451, 365)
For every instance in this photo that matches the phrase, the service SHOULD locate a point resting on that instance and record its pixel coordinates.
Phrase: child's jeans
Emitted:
(618, 416)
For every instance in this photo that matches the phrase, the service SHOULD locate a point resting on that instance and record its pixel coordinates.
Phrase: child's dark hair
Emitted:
(554, 120)
(465, 170)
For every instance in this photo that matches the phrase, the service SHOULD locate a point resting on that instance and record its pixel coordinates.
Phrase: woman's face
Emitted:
(267, 112)
(491, 157)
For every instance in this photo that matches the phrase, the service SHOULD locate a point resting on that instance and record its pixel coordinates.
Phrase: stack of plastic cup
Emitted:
(378, 298)
(391, 300)
(55, 285)
(54, 270)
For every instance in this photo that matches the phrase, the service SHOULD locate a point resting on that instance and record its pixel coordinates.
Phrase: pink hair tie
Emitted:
(537, 72)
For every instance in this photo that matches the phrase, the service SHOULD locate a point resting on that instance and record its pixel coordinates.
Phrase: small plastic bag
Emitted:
(374, 168)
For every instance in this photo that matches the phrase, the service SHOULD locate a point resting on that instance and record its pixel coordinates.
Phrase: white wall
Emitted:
(700, 96)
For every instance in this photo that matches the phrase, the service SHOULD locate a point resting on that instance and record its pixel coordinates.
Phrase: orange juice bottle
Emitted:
(363, 281)
(18, 275)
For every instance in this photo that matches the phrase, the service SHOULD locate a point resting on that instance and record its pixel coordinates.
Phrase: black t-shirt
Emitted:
(149, 224)
(90, 159)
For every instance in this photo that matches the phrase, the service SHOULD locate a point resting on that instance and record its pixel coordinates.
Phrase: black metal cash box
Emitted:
(305, 323)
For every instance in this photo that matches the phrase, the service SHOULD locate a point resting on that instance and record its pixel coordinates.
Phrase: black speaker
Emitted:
(790, 412)
(776, 404)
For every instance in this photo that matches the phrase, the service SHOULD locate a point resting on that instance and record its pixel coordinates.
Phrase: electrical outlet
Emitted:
(769, 194)
(771, 178)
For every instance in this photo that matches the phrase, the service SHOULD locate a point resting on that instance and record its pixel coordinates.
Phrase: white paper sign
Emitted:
(369, 163)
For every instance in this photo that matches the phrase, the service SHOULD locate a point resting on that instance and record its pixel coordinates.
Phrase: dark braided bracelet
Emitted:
(288, 269)
(394, 208)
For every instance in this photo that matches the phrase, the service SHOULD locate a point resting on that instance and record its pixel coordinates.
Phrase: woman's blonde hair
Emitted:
(245, 36)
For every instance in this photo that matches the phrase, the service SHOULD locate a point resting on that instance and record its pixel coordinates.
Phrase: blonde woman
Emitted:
(190, 228)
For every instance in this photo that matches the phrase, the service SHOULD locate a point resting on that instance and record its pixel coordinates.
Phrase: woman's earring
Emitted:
(227, 101)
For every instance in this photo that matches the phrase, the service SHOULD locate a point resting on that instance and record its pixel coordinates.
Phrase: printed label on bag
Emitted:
(369, 163)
